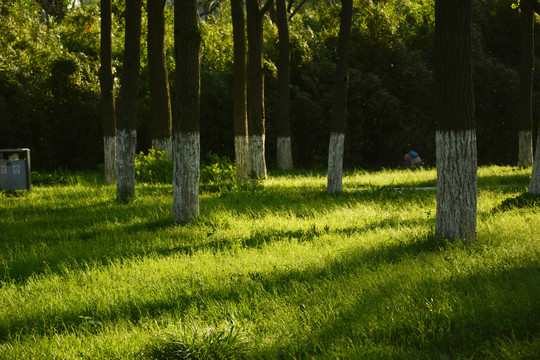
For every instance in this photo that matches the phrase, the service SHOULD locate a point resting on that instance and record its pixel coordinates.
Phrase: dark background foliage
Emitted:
(49, 90)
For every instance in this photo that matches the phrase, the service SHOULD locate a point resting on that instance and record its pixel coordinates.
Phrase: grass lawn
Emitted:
(275, 270)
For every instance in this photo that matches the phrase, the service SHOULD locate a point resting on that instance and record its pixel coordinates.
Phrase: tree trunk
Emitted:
(284, 151)
(186, 134)
(534, 184)
(159, 81)
(256, 89)
(339, 104)
(526, 68)
(455, 135)
(241, 143)
(107, 94)
(126, 137)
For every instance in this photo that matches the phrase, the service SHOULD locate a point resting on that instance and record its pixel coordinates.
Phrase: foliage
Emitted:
(154, 167)
(48, 95)
(157, 167)
(55, 178)
(217, 169)
(52, 64)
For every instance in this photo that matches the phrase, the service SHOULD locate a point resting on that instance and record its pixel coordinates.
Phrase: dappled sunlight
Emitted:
(284, 266)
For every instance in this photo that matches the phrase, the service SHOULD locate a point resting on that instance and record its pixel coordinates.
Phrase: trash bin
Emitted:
(15, 169)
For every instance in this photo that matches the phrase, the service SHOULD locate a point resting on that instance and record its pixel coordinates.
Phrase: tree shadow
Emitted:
(481, 319)
(92, 224)
(234, 287)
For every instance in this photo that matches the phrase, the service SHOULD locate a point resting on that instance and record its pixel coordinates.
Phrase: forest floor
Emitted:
(276, 269)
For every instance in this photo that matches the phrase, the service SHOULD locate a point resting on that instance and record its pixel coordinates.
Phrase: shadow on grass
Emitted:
(233, 287)
(522, 201)
(109, 229)
(476, 317)
(476, 320)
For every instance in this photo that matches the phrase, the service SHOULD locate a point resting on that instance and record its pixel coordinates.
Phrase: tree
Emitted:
(534, 184)
(339, 103)
(526, 68)
(159, 82)
(186, 134)
(107, 93)
(255, 17)
(528, 8)
(455, 133)
(126, 137)
(241, 142)
(284, 151)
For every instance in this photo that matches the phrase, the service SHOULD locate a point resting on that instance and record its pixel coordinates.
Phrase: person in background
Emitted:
(412, 159)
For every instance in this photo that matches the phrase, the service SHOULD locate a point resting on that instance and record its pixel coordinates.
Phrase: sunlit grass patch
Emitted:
(277, 269)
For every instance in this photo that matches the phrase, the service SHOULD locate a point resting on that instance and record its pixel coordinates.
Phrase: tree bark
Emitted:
(455, 134)
(284, 151)
(241, 143)
(256, 119)
(534, 184)
(107, 93)
(126, 137)
(158, 77)
(526, 68)
(186, 134)
(339, 104)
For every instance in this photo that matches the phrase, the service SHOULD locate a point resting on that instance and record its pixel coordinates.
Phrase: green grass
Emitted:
(272, 270)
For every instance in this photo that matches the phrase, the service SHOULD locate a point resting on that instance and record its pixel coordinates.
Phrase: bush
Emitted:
(54, 178)
(155, 167)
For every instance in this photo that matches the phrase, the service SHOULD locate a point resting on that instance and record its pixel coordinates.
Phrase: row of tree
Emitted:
(453, 54)
(53, 65)
(455, 136)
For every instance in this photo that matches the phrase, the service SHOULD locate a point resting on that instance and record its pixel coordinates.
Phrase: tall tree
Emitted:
(455, 133)
(186, 134)
(534, 183)
(526, 68)
(339, 104)
(126, 137)
(159, 81)
(107, 93)
(255, 17)
(284, 151)
(241, 142)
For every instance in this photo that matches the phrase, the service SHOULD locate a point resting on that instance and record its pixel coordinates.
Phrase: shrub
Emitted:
(157, 167)
(154, 167)
(54, 178)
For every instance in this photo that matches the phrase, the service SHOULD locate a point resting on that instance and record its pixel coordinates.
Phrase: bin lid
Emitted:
(14, 150)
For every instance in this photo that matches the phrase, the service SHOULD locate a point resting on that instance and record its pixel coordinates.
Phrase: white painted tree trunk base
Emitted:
(284, 153)
(186, 154)
(456, 184)
(109, 158)
(241, 150)
(257, 158)
(335, 163)
(534, 184)
(163, 145)
(126, 143)
(525, 148)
